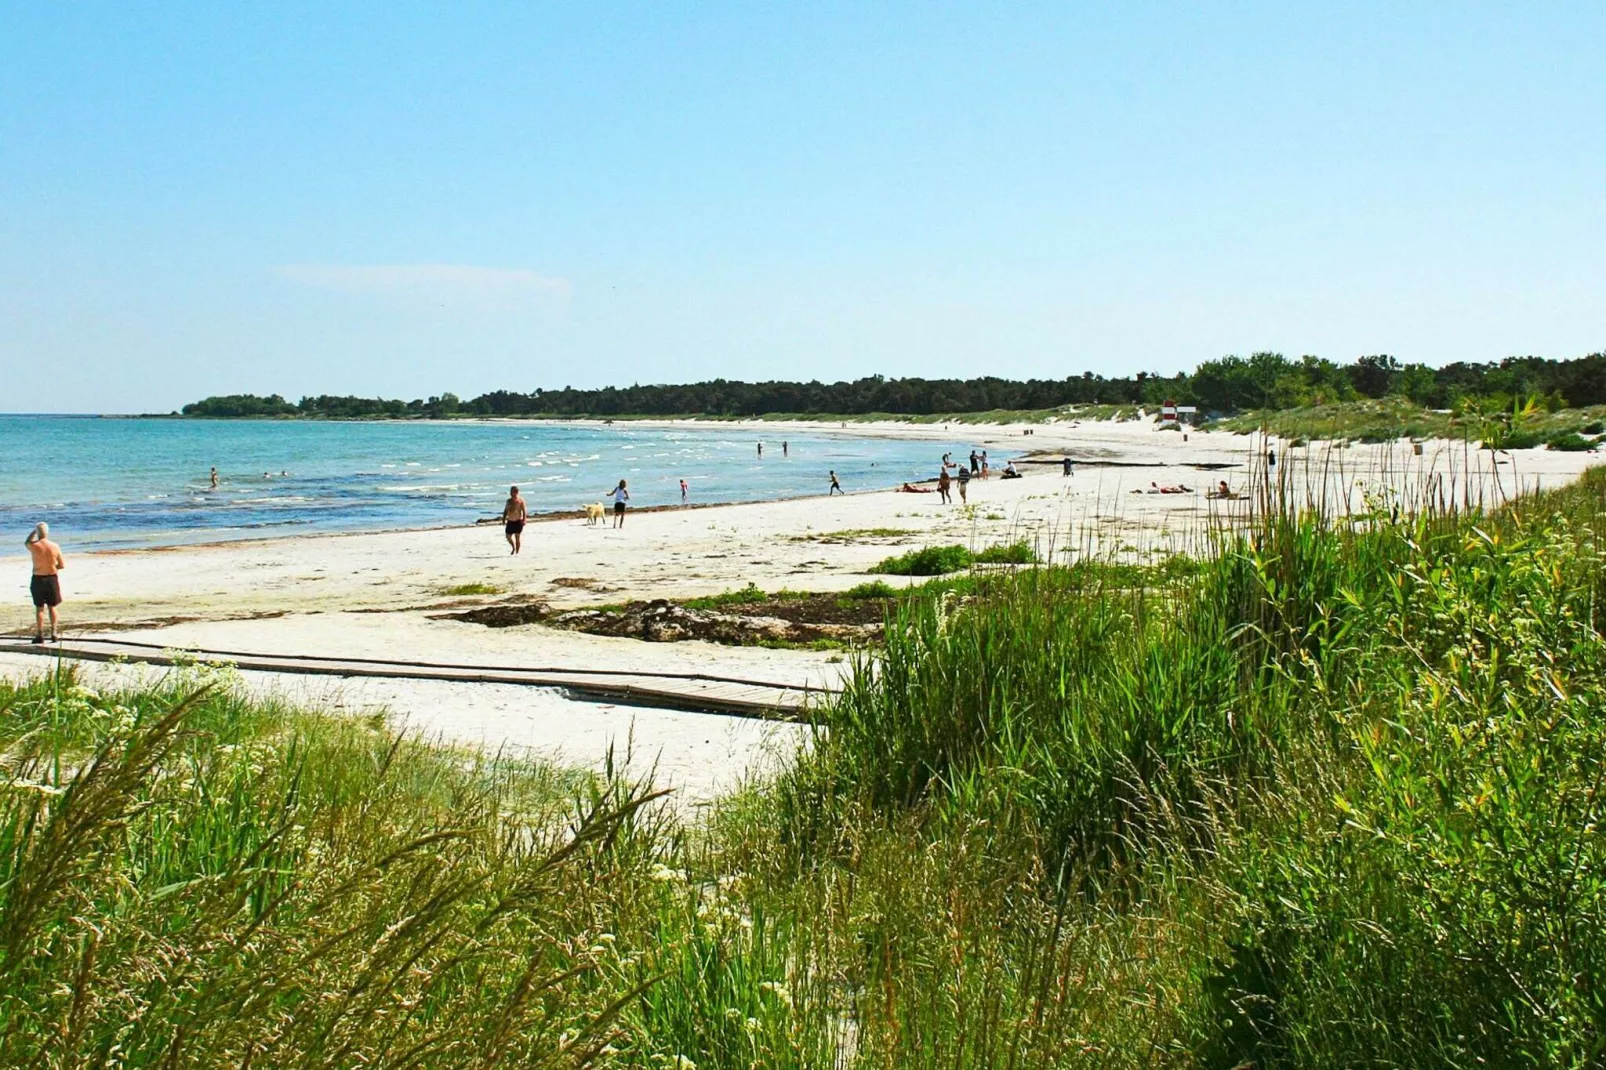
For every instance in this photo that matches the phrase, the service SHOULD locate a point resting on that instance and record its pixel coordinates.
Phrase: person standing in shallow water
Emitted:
(513, 514)
(46, 584)
(214, 479)
(620, 495)
(761, 451)
(684, 489)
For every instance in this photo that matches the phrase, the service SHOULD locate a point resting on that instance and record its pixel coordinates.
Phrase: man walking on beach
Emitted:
(46, 585)
(836, 488)
(964, 483)
(943, 485)
(513, 514)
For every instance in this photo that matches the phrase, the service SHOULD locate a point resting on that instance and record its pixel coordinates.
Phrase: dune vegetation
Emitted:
(1497, 423)
(1330, 795)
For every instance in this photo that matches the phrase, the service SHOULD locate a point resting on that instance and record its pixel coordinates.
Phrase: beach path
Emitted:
(700, 692)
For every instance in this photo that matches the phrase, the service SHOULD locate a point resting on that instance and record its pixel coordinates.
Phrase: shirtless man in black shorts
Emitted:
(513, 520)
(46, 585)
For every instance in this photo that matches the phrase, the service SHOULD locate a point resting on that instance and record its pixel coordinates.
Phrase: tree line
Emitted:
(1230, 384)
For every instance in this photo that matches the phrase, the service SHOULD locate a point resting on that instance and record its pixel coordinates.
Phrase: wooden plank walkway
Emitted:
(696, 692)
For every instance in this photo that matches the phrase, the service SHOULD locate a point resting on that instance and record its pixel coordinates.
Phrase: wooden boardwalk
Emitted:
(697, 692)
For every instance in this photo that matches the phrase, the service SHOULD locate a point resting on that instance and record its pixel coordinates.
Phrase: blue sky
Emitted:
(402, 199)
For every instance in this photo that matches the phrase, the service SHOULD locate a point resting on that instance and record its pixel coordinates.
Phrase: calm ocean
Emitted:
(112, 483)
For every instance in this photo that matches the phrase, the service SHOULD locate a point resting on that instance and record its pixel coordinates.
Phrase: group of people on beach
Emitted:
(47, 561)
(515, 512)
(963, 474)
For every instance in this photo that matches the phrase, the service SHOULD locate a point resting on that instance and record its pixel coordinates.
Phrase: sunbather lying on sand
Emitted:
(910, 489)
(1173, 488)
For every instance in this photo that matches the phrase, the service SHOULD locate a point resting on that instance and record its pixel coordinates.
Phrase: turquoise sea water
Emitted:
(115, 483)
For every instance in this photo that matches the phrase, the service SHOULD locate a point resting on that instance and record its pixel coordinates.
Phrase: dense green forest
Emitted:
(1231, 384)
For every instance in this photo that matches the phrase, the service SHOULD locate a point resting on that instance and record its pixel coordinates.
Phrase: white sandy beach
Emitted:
(372, 595)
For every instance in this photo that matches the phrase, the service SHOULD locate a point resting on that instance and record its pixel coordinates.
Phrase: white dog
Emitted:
(595, 514)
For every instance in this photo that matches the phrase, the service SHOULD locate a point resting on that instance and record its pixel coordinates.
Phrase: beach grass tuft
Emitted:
(853, 535)
(743, 596)
(464, 590)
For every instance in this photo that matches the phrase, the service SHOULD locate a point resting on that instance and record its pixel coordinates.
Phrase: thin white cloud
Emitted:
(445, 284)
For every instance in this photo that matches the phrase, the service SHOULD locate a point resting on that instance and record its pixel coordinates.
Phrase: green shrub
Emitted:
(872, 589)
(1014, 553)
(1520, 440)
(1569, 442)
(941, 560)
(745, 596)
(929, 561)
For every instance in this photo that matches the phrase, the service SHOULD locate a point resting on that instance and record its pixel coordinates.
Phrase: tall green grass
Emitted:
(189, 878)
(1342, 781)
